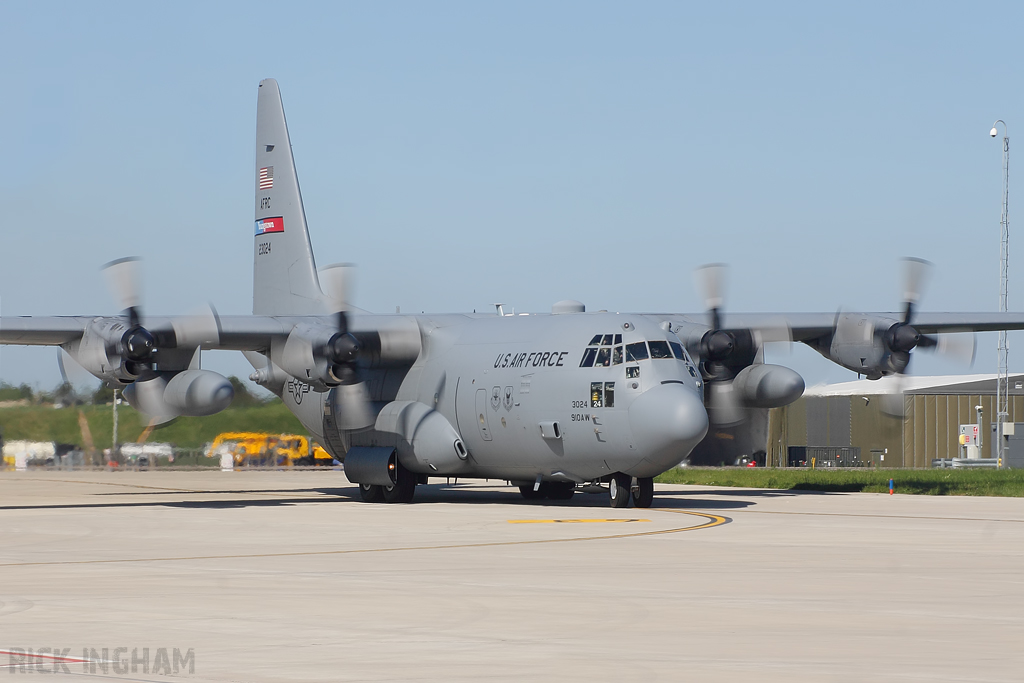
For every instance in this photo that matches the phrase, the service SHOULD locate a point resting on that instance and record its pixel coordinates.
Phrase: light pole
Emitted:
(113, 442)
(1003, 380)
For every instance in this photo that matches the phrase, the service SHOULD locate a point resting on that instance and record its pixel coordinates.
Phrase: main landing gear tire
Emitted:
(404, 489)
(618, 490)
(529, 494)
(371, 493)
(643, 494)
(559, 490)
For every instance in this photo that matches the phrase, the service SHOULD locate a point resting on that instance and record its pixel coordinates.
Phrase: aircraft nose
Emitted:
(667, 421)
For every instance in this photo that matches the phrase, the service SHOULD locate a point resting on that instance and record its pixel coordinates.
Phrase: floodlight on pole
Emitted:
(1003, 378)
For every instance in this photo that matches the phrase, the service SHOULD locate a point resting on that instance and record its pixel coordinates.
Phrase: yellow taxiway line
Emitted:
(573, 521)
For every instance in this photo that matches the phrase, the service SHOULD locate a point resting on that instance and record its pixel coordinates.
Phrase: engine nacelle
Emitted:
(191, 393)
(858, 343)
(767, 386)
(98, 350)
(430, 445)
(302, 355)
(306, 353)
(197, 393)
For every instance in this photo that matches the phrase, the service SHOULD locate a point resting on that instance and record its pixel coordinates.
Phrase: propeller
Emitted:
(718, 347)
(736, 378)
(60, 365)
(342, 348)
(901, 338)
(140, 346)
(66, 389)
(351, 398)
(710, 281)
(723, 353)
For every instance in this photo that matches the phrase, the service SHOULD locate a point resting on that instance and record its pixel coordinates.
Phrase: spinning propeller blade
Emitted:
(710, 282)
(139, 346)
(351, 398)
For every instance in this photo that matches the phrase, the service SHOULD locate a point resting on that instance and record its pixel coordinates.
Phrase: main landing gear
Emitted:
(621, 487)
(552, 490)
(371, 493)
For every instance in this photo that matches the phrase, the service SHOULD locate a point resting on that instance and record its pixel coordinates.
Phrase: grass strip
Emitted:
(937, 482)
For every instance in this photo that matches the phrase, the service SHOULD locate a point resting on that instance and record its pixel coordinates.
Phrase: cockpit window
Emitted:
(599, 352)
(660, 349)
(677, 350)
(636, 351)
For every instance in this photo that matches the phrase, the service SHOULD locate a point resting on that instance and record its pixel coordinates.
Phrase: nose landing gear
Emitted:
(618, 490)
(621, 486)
(643, 492)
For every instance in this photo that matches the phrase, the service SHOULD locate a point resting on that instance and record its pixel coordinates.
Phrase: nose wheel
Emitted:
(618, 490)
(643, 492)
(621, 486)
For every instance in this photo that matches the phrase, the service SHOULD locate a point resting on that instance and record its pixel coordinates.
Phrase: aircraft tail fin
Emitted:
(285, 280)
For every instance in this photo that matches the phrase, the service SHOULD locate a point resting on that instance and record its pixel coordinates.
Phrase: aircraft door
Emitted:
(481, 414)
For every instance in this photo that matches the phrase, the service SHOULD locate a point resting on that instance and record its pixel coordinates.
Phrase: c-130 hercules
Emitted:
(550, 402)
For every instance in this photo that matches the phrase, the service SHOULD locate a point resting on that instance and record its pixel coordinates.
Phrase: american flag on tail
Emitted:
(267, 178)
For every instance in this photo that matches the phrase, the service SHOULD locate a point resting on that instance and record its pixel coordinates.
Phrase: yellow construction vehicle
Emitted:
(253, 449)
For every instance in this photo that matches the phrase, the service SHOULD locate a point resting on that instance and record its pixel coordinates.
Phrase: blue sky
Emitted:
(466, 153)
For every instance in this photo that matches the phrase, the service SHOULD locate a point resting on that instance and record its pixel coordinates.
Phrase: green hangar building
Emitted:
(863, 424)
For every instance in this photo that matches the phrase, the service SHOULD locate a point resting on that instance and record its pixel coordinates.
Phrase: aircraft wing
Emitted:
(810, 326)
(933, 323)
(42, 331)
(237, 332)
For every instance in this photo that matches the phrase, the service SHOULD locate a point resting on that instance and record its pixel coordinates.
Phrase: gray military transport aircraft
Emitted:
(553, 402)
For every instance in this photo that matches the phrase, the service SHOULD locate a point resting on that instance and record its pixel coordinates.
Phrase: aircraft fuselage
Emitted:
(571, 397)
